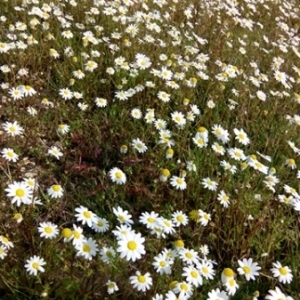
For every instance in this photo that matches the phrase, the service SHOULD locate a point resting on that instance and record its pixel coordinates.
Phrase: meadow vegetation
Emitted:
(149, 149)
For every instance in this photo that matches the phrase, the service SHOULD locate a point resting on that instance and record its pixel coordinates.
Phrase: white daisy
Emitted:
(117, 176)
(35, 264)
(85, 216)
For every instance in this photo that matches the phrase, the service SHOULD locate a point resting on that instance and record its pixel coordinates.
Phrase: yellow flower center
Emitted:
(292, 162)
(232, 282)
(56, 187)
(10, 154)
(122, 218)
(201, 129)
(179, 243)
(165, 172)
(111, 286)
(151, 220)
(241, 136)
(179, 180)
(141, 279)
(20, 193)
(180, 218)
(189, 255)
(86, 248)
(48, 229)
(100, 224)
(170, 151)
(109, 254)
(87, 214)
(35, 265)
(283, 271)
(228, 272)
(194, 274)
(162, 264)
(246, 269)
(118, 175)
(131, 245)
(66, 232)
(205, 270)
(77, 234)
(184, 287)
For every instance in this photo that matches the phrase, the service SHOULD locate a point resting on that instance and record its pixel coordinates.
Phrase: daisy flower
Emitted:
(27, 90)
(20, 192)
(54, 151)
(87, 249)
(6, 242)
(241, 136)
(164, 175)
(248, 268)
(189, 256)
(131, 246)
(85, 216)
(101, 225)
(166, 225)
(162, 264)
(179, 218)
(199, 142)
(141, 282)
(179, 119)
(216, 294)
(9, 154)
(227, 275)
(178, 182)
(142, 61)
(184, 289)
(48, 230)
(35, 264)
(123, 149)
(136, 113)
(117, 176)
(3, 252)
(77, 236)
(124, 217)
(111, 287)
(209, 184)
(205, 268)
(63, 128)
(277, 294)
(284, 274)
(223, 199)
(107, 254)
(122, 230)
(192, 276)
(67, 234)
(204, 217)
(138, 145)
(13, 129)
(231, 286)
(220, 133)
(101, 102)
(149, 219)
(66, 94)
(219, 149)
(16, 93)
(55, 191)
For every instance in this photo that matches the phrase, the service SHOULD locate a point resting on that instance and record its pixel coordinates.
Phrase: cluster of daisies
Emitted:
(168, 79)
(197, 267)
